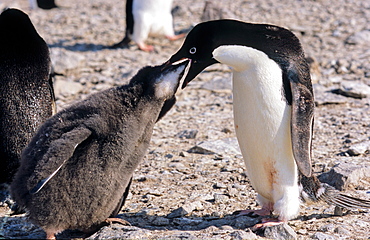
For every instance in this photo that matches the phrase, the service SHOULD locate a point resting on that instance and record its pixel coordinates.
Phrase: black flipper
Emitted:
(302, 117)
(313, 190)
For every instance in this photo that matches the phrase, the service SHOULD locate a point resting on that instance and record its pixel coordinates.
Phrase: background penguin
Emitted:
(43, 4)
(26, 89)
(273, 110)
(147, 17)
(76, 171)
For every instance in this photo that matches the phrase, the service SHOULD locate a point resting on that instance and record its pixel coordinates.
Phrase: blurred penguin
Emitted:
(43, 4)
(148, 17)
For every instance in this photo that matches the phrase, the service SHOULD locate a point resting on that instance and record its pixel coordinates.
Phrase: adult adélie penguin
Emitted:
(273, 111)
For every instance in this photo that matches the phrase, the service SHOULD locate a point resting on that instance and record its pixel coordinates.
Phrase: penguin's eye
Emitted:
(193, 50)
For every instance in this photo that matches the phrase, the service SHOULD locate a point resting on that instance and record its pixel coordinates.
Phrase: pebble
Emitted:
(281, 231)
(322, 236)
(64, 60)
(66, 88)
(362, 37)
(359, 148)
(240, 234)
(324, 96)
(353, 89)
(188, 134)
(344, 174)
(224, 146)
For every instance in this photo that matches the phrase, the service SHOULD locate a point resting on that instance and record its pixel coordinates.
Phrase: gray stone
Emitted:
(322, 236)
(224, 146)
(180, 235)
(65, 88)
(220, 198)
(240, 234)
(353, 89)
(160, 221)
(182, 221)
(344, 174)
(281, 231)
(359, 148)
(242, 222)
(188, 134)
(342, 230)
(362, 37)
(324, 96)
(327, 228)
(116, 231)
(64, 60)
(184, 210)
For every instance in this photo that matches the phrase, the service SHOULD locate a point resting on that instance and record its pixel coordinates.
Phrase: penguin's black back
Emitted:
(26, 94)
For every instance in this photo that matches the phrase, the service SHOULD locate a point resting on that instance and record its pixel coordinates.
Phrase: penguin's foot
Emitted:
(267, 222)
(264, 211)
(145, 47)
(50, 235)
(117, 220)
(176, 37)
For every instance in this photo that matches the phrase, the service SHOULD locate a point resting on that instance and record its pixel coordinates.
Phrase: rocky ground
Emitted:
(193, 177)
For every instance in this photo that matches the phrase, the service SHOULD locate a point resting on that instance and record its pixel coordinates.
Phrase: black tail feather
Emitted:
(313, 190)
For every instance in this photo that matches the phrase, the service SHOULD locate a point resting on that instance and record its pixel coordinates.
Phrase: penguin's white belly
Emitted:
(262, 123)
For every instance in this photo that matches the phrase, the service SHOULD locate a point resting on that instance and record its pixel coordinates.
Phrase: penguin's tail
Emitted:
(313, 190)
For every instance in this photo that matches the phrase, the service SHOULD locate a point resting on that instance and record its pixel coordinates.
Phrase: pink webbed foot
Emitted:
(264, 211)
(145, 47)
(50, 235)
(176, 37)
(268, 222)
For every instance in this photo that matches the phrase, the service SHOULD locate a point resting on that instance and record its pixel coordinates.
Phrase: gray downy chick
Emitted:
(76, 171)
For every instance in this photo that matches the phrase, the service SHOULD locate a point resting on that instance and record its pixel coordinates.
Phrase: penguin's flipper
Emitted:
(301, 118)
(61, 150)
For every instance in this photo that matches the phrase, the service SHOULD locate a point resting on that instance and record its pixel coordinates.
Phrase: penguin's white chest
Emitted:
(262, 120)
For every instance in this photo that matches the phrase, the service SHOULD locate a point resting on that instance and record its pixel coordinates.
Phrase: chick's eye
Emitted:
(193, 50)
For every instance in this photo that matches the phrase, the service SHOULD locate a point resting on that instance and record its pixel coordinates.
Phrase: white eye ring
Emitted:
(193, 50)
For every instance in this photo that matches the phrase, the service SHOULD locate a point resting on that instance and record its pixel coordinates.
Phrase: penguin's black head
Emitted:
(205, 37)
(197, 47)
(16, 29)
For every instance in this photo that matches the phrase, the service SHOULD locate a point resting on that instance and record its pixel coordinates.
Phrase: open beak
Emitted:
(193, 69)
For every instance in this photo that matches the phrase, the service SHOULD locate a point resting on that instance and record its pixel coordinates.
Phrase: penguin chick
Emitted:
(145, 18)
(273, 110)
(76, 171)
(26, 89)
